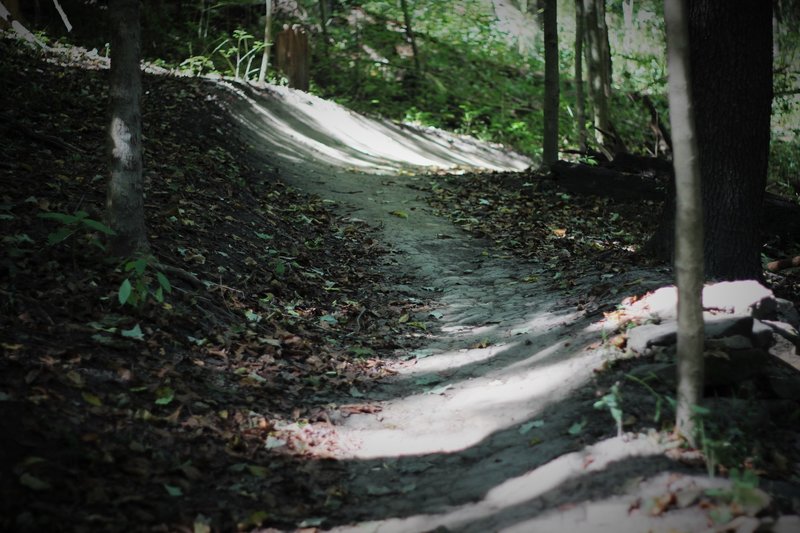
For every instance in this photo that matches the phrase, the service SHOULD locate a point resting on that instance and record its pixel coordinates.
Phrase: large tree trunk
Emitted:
(688, 224)
(551, 92)
(580, 109)
(125, 198)
(732, 93)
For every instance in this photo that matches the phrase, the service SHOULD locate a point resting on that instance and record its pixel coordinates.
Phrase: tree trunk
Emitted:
(411, 39)
(323, 17)
(125, 198)
(551, 88)
(596, 66)
(580, 108)
(628, 17)
(688, 223)
(732, 93)
(262, 74)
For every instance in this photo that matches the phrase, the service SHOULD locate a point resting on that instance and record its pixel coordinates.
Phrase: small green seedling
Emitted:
(137, 288)
(613, 402)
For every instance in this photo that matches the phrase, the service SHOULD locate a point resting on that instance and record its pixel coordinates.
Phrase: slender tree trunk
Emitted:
(323, 17)
(125, 198)
(551, 85)
(595, 60)
(628, 17)
(262, 74)
(411, 39)
(688, 223)
(605, 50)
(580, 107)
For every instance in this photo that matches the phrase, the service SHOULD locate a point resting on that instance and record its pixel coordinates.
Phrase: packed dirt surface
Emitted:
(489, 425)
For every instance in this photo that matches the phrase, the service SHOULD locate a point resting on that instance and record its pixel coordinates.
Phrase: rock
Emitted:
(717, 326)
(746, 297)
(787, 331)
(733, 367)
(787, 312)
(787, 524)
(642, 337)
(734, 342)
(762, 334)
(737, 298)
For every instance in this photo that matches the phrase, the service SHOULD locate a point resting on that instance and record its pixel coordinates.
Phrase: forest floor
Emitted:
(361, 332)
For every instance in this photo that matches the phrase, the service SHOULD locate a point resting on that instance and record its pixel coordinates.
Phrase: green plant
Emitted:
(139, 286)
(72, 224)
(660, 398)
(743, 496)
(243, 47)
(613, 402)
(197, 64)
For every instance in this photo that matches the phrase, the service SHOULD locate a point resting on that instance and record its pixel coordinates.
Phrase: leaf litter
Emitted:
(123, 417)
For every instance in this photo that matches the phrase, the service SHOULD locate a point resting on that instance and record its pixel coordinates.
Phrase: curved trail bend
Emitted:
(474, 434)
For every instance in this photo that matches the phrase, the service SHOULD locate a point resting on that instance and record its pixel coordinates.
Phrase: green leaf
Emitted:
(140, 265)
(258, 471)
(441, 389)
(59, 235)
(99, 226)
(60, 217)
(280, 268)
(577, 428)
(163, 281)
(164, 395)
(526, 427)
(399, 214)
(33, 483)
(173, 491)
(92, 399)
(134, 333)
(124, 291)
(159, 295)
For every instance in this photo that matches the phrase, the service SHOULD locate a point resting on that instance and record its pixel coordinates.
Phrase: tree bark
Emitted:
(411, 39)
(125, 197)
(599, 85)
(580, 108)
(731, 81)
(688, 224)
(262, 73)
(551, 84)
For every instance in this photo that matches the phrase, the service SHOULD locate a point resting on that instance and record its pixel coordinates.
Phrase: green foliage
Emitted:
(784, 168)
(144, 282)
(613, 402)
(75, 223)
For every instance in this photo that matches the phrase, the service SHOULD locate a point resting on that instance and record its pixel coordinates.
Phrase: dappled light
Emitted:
(397, 267)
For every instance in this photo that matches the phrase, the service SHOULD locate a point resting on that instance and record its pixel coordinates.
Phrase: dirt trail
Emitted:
(473, 434)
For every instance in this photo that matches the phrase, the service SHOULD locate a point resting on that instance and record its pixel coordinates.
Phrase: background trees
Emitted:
(484, 74)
